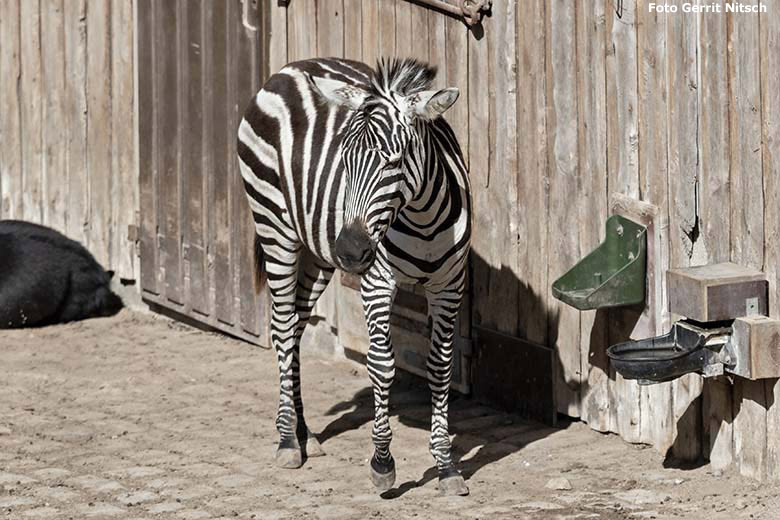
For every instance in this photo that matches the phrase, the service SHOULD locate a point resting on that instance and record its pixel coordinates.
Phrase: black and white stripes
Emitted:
(352, 168)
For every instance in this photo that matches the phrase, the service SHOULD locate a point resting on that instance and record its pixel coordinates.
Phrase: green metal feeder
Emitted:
(613, 274)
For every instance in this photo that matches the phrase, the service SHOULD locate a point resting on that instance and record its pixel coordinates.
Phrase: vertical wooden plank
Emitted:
(419, 32)
(718, 427)
(10, 112)
(54, 137)
(562, 160)
(403, 25)
(167, 112)
(124, 191)
(192, 168)
(456, 75)
(76, 106)
(437, 47)
(682, 110)
(302, 30)
(219, 260)
(370, 31)
(330, 28)
(30, 96)
(623, 172)
(750, 428)
(714, 222)
(353, 30)
(656, 400)
(246, 73)
(99, 136)
(747, 224)
(147, 144)
(532, 175)
(770, 104)
(592, 152)
(277, 38)
(386, 37)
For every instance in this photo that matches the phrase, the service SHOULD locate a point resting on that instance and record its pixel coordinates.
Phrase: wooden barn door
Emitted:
(199, 62)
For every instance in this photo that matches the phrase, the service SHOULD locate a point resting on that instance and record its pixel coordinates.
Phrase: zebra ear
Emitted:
(338, 92)
(430, 104)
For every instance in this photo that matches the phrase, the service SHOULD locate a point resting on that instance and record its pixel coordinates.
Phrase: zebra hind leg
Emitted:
(443, 310)
(377, 292)
(313, 278)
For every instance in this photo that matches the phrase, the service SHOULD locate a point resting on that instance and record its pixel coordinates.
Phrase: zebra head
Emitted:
(383, 150)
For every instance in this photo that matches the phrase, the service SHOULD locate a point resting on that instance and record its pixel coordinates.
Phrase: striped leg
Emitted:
(313, 278)
(281, 265)
(378, 290)
(443, 309)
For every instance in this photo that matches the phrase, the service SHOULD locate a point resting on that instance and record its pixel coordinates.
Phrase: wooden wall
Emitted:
(67, 125)
(199, 65)
(562, 105)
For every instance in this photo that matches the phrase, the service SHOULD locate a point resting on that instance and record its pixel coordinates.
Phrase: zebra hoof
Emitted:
(289, 458)
(451, 484)
(312, 446)
(382, 475)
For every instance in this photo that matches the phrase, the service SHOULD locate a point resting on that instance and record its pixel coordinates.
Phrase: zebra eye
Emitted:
(394, 163)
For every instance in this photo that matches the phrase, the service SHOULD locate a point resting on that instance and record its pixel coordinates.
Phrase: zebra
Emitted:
(349, 167)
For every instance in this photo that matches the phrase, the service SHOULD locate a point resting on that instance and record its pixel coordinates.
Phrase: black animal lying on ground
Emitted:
(47, 278)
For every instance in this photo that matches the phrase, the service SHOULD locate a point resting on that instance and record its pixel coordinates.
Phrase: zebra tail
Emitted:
(259, 271)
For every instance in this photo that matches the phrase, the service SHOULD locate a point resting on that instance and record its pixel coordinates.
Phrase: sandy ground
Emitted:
(140, 417)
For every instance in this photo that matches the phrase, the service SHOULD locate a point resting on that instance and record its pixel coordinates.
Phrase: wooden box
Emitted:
(717, 292)
(755, 347)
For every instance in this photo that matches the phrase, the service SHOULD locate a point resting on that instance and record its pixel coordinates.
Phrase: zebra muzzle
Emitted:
(354, 249)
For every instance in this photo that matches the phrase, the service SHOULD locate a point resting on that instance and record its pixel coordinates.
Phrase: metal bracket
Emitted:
(471, 11)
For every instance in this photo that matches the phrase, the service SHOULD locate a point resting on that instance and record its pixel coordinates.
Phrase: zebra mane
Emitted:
(403, 76)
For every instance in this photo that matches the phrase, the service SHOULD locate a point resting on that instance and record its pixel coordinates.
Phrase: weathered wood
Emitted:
(10, 113)
(591, 145)
(30, 96)
(193, 207)
(353, 30)
(330, 28)
(386, 36)
(714, 196)
(713, 130)
(404, 41)
(622, 125)
(437, 47)
(246, 71)
(716, 292)
(124, 187)
(563, 164)
(302, 30)
(419, 32)
(750, 427)
(770, 104)
(167, 24)
(532, 173)
(756, 343)
(717, 422)
(54, 132)
(623, 177)
(277, 37)
(747, 222)
(99, 136)
(370, 32)
(147, 146)
(455, 72)
(76, 101)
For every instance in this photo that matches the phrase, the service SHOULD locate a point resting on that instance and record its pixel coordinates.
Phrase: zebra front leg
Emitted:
(378, 290)
(313, 278)
(282, 272)
(443, 309)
